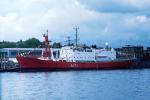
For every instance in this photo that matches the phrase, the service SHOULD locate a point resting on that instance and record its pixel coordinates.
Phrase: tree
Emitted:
(32, 43)
(6, 44)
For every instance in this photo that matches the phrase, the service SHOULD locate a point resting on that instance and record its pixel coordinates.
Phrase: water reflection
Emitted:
(76, 85)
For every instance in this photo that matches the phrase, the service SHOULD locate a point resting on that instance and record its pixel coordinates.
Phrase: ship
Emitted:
(73, 57)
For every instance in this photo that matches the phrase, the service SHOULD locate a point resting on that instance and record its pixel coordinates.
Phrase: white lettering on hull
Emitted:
(74, 65)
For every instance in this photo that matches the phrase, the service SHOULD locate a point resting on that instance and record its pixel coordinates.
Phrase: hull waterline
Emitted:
(35, 63)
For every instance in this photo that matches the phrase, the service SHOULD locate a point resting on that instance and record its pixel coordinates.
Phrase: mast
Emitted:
(47, 52)
(76, 39)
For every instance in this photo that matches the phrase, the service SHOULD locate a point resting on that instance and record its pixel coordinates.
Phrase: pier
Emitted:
(7, 65)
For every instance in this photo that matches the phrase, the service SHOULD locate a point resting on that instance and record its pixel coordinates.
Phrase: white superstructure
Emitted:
(73, 54)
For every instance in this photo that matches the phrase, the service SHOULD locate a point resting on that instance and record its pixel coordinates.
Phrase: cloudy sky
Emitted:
(117, 22)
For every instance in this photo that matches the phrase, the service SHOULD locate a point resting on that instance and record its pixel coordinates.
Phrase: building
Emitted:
(119, 53)
(147, 54)
(134, 51)
(13, 52)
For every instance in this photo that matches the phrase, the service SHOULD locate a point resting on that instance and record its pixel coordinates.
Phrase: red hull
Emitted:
(34, 63)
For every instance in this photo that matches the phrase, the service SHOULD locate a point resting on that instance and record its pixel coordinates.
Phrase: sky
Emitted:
(118, 22)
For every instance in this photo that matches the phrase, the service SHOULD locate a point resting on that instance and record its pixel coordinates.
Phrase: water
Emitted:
(76, 85)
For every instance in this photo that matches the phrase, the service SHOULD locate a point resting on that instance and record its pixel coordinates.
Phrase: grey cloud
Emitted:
(100, 21)
(118, 6)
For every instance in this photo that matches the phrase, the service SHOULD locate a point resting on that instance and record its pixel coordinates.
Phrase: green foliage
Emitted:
(32, 43)
(6, 44)
(29, 43)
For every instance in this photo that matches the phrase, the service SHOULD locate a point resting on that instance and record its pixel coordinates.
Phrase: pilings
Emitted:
(7, 65)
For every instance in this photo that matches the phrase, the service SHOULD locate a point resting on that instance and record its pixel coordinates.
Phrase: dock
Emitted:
(7, 65)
